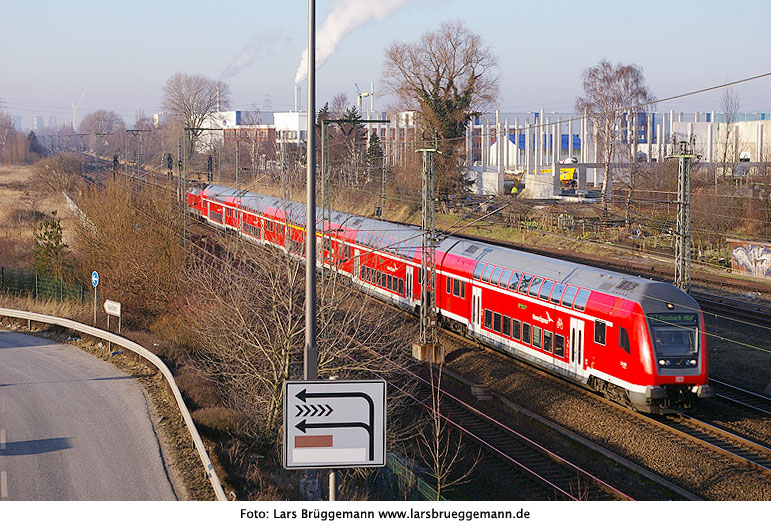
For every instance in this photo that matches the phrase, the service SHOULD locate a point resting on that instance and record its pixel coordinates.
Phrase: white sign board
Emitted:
(334, 424)
(112, 308)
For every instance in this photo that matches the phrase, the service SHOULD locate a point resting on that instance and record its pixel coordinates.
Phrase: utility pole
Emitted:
(683, 244)
(310, 352)
(427, 348)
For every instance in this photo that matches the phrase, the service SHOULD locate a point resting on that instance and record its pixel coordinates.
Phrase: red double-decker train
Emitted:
(639, 342)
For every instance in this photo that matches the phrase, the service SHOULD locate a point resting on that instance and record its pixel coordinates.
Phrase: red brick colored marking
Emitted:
(313, 441)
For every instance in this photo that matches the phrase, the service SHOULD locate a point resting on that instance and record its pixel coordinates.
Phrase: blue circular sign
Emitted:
(94, 279)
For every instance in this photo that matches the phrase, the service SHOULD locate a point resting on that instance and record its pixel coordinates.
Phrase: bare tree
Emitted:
(448, 75)
(57, 173)
(106, 127)
(6, 127)
(245, 311)
(191, 99)
(729, 104)
(610, 91)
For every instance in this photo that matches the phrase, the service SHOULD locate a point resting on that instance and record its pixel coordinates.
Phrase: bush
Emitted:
(219, 421)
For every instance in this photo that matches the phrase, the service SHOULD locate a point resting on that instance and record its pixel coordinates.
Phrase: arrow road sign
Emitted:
(94, 278)
(334, 424)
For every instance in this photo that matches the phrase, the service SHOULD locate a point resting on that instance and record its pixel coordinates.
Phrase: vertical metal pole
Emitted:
(237, 163)
(310, 353)
(332, 485)
(94, 306)
(428, 259)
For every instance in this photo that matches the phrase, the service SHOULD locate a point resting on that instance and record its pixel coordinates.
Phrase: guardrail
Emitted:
(147, 355)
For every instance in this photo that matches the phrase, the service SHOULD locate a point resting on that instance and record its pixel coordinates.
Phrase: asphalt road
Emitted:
(73, 427)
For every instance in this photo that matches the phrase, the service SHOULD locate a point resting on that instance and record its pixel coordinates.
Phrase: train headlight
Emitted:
(692, 362)
(662, 362)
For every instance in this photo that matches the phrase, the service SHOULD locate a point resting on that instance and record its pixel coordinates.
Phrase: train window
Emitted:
(506, 326)
(556, 294)
(599, 332)
(497, 322)
(546, 289)
(401, 286)
(526, 332)
(581, 299)
(388, 282)
(623, 340)
(456, 287)
(547, 341)
(463, 289)
(524, 283)
(516, 327)
(496, 275)
(449, 287)
(559, 345)
(488, 319)
(377, 278)
(505, 278)
(534, 286)
(514, 280)
(478, 270)
(487, 273)
(537, 336)
(570, 293)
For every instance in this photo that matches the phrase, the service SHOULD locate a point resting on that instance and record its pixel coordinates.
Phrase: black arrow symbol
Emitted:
(303, 394)
(303, 425)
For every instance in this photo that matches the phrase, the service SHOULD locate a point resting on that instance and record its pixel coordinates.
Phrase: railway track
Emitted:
(741, 398)
(738, 449)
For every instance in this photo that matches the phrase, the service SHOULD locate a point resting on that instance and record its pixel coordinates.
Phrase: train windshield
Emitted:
(675, 339)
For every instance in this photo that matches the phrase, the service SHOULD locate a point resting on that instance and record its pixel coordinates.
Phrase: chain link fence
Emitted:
(22, 282)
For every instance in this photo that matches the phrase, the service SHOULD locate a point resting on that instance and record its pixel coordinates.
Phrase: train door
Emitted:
(576, 347)
(476, 309)
(408, 287)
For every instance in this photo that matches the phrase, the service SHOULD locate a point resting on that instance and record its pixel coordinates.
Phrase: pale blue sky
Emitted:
(52, 49)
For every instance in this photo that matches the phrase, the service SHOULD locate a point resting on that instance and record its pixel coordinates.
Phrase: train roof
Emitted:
(463, 253)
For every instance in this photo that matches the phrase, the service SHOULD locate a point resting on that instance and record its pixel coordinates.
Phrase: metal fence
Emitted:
(25, 282)
(411, 481)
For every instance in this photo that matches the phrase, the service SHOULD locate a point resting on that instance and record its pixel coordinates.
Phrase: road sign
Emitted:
(112, 308)
(94, 279)
(334, 424)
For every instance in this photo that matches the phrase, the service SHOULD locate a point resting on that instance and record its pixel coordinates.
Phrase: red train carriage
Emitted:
(639, 342)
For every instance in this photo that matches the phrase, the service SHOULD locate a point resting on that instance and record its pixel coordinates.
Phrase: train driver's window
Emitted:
(599, 332)
(623, 340)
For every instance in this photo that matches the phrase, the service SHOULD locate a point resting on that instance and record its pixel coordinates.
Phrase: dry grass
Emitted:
(22, 206)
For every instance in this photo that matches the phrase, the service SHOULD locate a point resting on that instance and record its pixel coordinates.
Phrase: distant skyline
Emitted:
(52, 50)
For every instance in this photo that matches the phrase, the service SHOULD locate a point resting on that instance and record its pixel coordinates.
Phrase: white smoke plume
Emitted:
(344, 16)
(261, 44)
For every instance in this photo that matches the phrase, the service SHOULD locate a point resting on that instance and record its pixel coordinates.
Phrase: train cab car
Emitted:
(638, 342)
